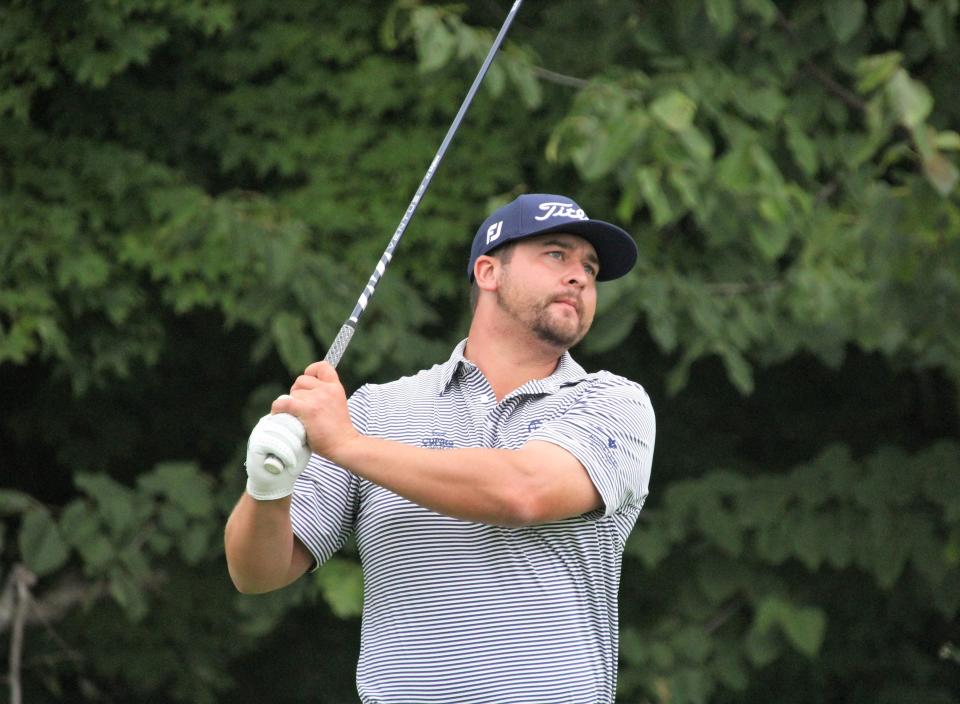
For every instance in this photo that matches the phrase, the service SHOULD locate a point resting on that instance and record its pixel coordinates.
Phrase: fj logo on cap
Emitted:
(560, 210)
(493, 232)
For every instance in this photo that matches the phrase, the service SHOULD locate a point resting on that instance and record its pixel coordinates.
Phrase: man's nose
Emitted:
(577, 275)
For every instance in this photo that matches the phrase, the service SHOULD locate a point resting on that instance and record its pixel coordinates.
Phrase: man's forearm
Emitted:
(259, 545)
(489, 485)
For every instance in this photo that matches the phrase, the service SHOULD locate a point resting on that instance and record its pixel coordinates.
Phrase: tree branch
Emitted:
(725, 615)
(829, 82)
(18, 588)
(559, 78)
(56, 602)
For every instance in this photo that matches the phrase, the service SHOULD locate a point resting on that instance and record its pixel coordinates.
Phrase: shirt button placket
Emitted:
(480, 403)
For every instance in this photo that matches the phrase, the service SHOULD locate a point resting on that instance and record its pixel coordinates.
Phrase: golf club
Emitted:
(342, 340)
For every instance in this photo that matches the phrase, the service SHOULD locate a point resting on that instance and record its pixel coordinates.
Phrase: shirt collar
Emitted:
(455, 366)
(567, 372)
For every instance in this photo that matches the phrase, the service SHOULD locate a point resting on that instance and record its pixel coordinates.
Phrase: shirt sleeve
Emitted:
(324, 504)
(610, 429)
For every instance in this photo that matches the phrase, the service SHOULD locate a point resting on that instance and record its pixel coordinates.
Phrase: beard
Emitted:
(547, 324)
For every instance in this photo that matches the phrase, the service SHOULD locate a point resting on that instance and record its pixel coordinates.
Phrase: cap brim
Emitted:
(616, 249)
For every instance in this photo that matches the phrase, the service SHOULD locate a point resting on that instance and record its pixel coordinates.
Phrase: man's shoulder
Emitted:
(429, 381)
(604, 378)
(603, 382)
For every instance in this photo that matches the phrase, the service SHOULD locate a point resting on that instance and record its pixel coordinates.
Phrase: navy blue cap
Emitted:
(541, 213)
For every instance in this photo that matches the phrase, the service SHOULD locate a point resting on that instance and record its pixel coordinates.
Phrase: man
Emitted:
(490, 496)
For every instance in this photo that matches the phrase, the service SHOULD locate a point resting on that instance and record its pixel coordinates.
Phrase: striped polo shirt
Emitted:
(463, 612)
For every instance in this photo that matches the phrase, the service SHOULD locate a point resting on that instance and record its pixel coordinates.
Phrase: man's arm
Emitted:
(537, 483)
(262, 553)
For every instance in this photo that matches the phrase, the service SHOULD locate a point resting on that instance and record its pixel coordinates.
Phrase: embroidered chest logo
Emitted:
(534, 425)
(437, 443)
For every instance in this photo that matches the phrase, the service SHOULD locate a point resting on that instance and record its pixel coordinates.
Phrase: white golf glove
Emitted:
(284, 437)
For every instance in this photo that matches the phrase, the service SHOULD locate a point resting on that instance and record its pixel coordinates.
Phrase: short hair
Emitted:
(504, 253)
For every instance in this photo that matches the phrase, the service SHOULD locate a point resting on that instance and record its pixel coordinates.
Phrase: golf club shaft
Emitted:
(342, 340)
(339, 345)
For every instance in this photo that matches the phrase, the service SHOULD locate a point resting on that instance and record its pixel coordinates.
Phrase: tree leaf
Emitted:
(649, 181)
(128, 594)
(341, 581)
(722, 15)
(766, 10)
(79, 523)
(182, 484)
(947, 139)
(698, 144)
(888, 15)
(295, 348)
(649, 544)
(13, 502)
(941, 173)
(937, 21)
(910, 99)
(435, 42)
(735, 170)
(762, 646)
(115, 501)
(874, 71)
(97, 553)
(610, 329)
(41, 546)
(765, 102)
(805, 628)
(738, 369)
(803, 149)
(845, 17)
(771, 239)
(674, 110)
(194, 543)
(526, 82)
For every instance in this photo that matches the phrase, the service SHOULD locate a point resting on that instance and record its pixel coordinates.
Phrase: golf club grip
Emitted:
(337, 348)
(339, 344)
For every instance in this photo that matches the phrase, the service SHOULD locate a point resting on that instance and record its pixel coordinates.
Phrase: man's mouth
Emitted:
(572, 303)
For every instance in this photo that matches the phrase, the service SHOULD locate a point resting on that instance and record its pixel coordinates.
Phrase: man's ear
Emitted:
(485, 272)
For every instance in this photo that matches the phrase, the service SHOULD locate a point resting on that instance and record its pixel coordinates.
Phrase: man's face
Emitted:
(549, 285)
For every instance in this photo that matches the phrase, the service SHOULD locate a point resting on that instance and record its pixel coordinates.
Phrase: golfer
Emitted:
(490, 496)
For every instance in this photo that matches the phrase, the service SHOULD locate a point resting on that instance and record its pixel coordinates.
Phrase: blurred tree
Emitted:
(192, 194)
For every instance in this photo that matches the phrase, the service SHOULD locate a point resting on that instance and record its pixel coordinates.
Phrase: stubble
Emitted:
(541, 317)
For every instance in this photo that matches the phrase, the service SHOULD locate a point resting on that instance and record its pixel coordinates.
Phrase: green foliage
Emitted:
(441, 36)
(877, 522)
(48, 44)
(193, 193)
(115, 533)
(338, 582)
(767, 179)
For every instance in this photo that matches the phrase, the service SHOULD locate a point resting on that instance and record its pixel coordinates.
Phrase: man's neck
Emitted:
(508, 361)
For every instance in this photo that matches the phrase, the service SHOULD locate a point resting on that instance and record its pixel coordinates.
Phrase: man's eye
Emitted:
(590, 269)
(556, 254)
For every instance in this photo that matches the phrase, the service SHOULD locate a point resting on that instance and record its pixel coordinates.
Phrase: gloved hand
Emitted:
(284, 437)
